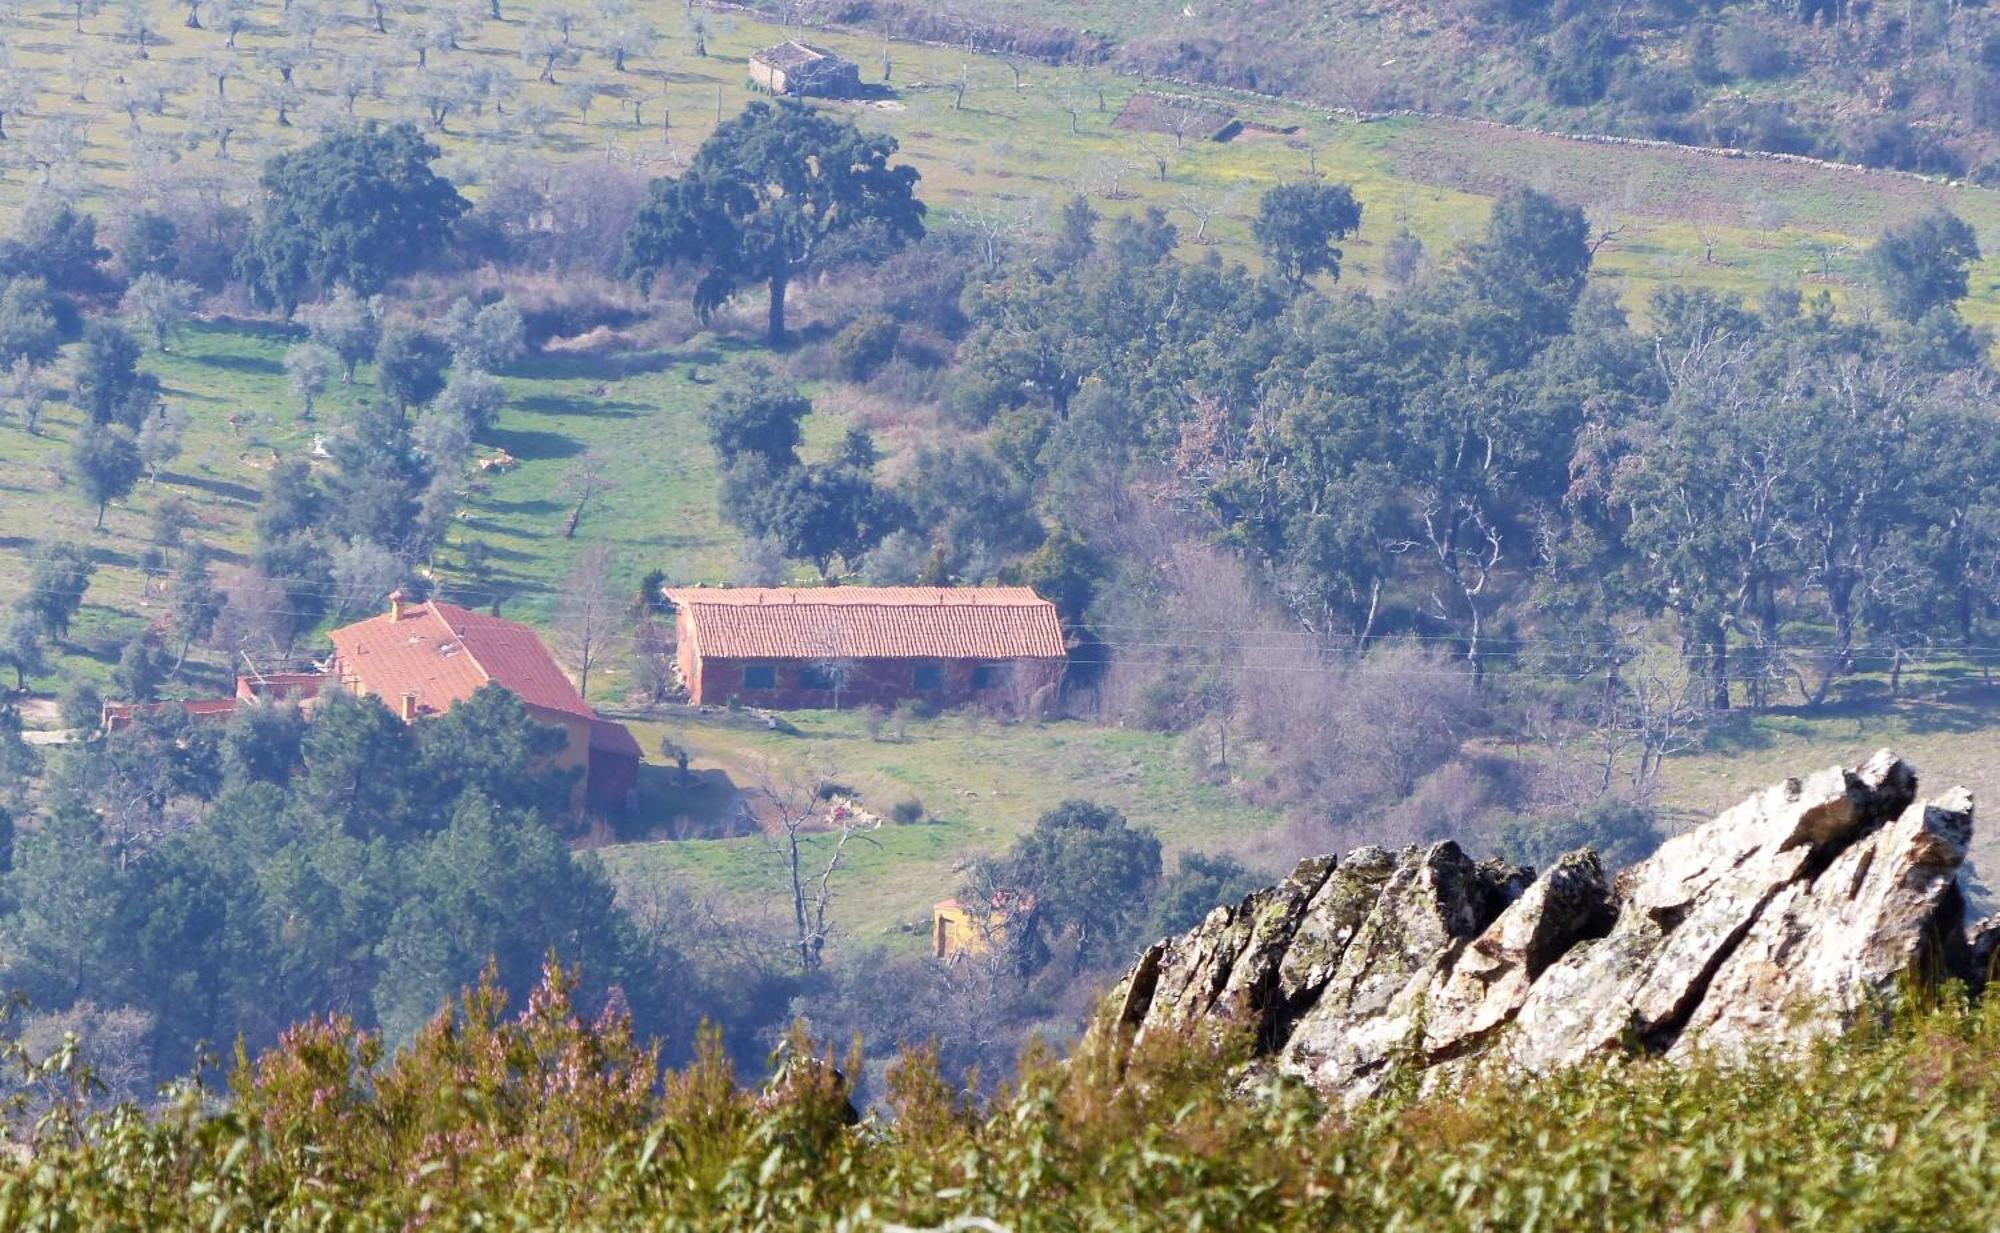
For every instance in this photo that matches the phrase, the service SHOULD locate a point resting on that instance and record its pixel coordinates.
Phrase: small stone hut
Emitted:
(800, 69)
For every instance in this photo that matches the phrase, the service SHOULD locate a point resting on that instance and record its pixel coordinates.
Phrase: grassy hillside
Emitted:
(1001, 159)
(1000, 162)
(980, 783)
(1910, 85)
(241, 415)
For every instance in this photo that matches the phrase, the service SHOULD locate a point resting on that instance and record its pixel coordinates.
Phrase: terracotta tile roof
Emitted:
(443, 653)
(871, 622)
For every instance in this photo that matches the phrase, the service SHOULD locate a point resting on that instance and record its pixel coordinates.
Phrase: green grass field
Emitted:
(981, 784)
(659, 510)
(1002, 159)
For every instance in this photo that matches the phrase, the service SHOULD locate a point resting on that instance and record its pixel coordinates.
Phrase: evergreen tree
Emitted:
(763, 200)
(360, 206)
(106, 463)
(1922, 264)
(1298, 227)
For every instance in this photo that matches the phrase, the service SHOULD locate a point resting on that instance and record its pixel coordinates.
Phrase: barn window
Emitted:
(928, 676)
(760, 676)
(989, 676)
(815, 676)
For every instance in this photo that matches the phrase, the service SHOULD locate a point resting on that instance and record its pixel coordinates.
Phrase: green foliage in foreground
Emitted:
(539, 1122)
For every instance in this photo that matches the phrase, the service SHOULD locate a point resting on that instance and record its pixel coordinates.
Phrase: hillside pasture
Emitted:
(981, 783)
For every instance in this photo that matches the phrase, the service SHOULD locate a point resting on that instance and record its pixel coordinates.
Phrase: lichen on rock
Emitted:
(1797, 913)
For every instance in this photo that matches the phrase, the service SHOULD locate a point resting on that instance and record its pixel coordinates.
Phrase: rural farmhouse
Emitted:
(424, 658)
(837, 646)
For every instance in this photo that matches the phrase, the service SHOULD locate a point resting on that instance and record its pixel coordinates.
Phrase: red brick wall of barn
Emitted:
(713, 681)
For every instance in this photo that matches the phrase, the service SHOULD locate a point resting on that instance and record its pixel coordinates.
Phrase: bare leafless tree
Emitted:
(1202, 205)
(584, 479)
(795, 809)
(999, 221)
(1662, 711)
(653, 655)
(1705, 231)
(1070, 103)
(587, 614)
(1104, 176)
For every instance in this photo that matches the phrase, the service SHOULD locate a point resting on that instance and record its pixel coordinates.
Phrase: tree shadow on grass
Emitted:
(1735, 732)
(500, 552)
(221, 488)
(608, 366)
(260, 328)
(565, 404)
(529, 445)
(702, 807)
(531, 506)
(260, 364)
(486, 526)
(1971, 707)
(187, 395)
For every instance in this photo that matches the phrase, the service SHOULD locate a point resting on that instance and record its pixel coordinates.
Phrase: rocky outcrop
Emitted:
(1795, 914)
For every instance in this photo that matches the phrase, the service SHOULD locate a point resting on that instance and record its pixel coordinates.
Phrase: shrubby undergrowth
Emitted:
(539, 1119)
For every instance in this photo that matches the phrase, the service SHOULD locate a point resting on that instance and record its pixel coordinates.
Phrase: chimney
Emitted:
(396, 604)
(410, 707)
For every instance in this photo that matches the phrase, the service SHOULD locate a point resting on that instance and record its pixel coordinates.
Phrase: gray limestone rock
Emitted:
(1790, 916)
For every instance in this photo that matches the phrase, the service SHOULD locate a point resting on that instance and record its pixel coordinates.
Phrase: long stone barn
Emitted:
(843, 646)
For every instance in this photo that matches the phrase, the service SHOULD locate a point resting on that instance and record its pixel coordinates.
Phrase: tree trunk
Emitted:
(1368, 622)
(1718, 667)
(777, 317)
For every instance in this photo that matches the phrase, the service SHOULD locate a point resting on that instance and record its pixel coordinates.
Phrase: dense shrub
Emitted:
(1620, 831)
(1578, 60)
(1749, 50)
(865, 345)
(544, 1120)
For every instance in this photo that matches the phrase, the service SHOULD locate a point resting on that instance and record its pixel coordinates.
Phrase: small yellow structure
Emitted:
(956, 932)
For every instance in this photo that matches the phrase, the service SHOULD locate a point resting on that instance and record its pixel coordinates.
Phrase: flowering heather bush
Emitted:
(543, 1121)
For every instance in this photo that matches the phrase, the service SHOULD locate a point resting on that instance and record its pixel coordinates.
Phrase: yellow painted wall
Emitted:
(575, 752)
(955, 932)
